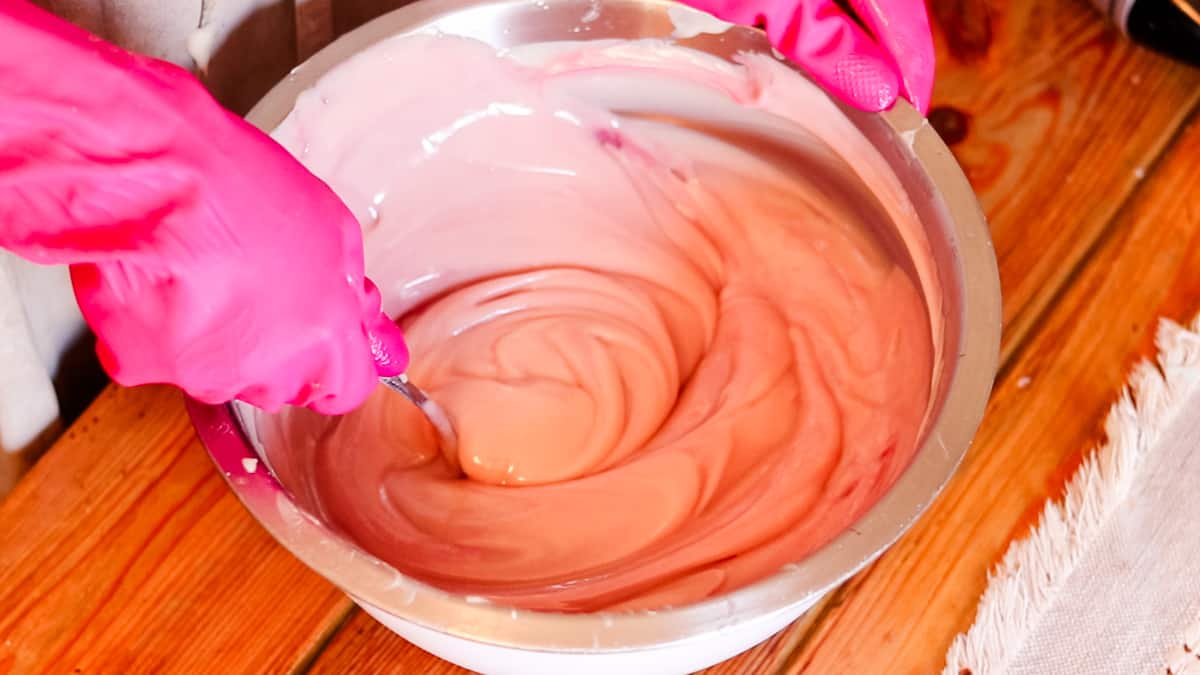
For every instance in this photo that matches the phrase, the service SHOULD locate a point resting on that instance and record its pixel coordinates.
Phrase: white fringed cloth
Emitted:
(1109, 580)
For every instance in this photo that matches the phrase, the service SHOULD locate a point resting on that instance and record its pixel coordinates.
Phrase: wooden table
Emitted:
(123, 551)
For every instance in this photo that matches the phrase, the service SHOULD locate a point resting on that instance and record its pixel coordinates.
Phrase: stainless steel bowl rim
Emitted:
(369, 580)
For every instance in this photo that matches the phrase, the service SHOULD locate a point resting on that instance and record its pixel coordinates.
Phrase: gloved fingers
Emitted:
(351, 365)
(347, 379)
(819, 37)
(839, 54)
(217, 343)
(331, 376)
(902, 28)
(388, 348)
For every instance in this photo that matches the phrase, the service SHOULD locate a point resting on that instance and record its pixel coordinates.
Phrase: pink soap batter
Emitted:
(674, 363)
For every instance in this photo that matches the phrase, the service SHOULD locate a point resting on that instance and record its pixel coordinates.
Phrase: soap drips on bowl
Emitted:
(675, 359)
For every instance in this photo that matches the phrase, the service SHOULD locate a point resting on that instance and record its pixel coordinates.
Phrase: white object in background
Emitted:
(151, 27)
(39, 321)
(238, 48)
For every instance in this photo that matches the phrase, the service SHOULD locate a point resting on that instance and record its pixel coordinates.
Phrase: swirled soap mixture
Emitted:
(678, 354)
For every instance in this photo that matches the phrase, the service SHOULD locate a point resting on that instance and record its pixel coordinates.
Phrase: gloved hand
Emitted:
(201, 252)
(837, 53)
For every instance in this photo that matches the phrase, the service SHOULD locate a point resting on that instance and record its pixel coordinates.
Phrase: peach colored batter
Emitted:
(674, 364)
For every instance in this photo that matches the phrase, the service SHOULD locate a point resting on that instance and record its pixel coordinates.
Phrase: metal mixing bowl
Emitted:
(497, 639)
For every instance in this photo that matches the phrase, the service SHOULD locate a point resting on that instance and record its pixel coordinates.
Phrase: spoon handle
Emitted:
(432, 411)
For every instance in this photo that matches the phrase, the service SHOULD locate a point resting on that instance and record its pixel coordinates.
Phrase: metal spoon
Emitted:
(433, 412)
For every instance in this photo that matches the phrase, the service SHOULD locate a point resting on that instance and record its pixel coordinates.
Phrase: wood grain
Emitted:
(363, 645)
(1058, 116)
(901, 614)
(124, 552)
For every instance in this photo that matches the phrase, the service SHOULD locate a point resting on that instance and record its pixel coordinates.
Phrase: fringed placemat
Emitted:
(1109, 580)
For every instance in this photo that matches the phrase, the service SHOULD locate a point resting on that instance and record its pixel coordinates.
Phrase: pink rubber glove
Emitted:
(201, 252)
(837, 53)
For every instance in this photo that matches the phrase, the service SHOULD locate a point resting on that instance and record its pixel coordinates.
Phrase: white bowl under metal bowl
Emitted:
(496, 639)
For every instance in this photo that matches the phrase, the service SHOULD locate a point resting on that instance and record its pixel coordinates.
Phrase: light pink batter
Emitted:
(674, 363)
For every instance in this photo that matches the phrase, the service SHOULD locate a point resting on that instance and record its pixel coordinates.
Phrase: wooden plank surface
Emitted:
(1059, 118)
(124, 552)
(902, 613)
(363, 645)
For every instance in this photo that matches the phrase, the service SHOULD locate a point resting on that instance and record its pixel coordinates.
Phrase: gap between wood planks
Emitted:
(309, 659)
